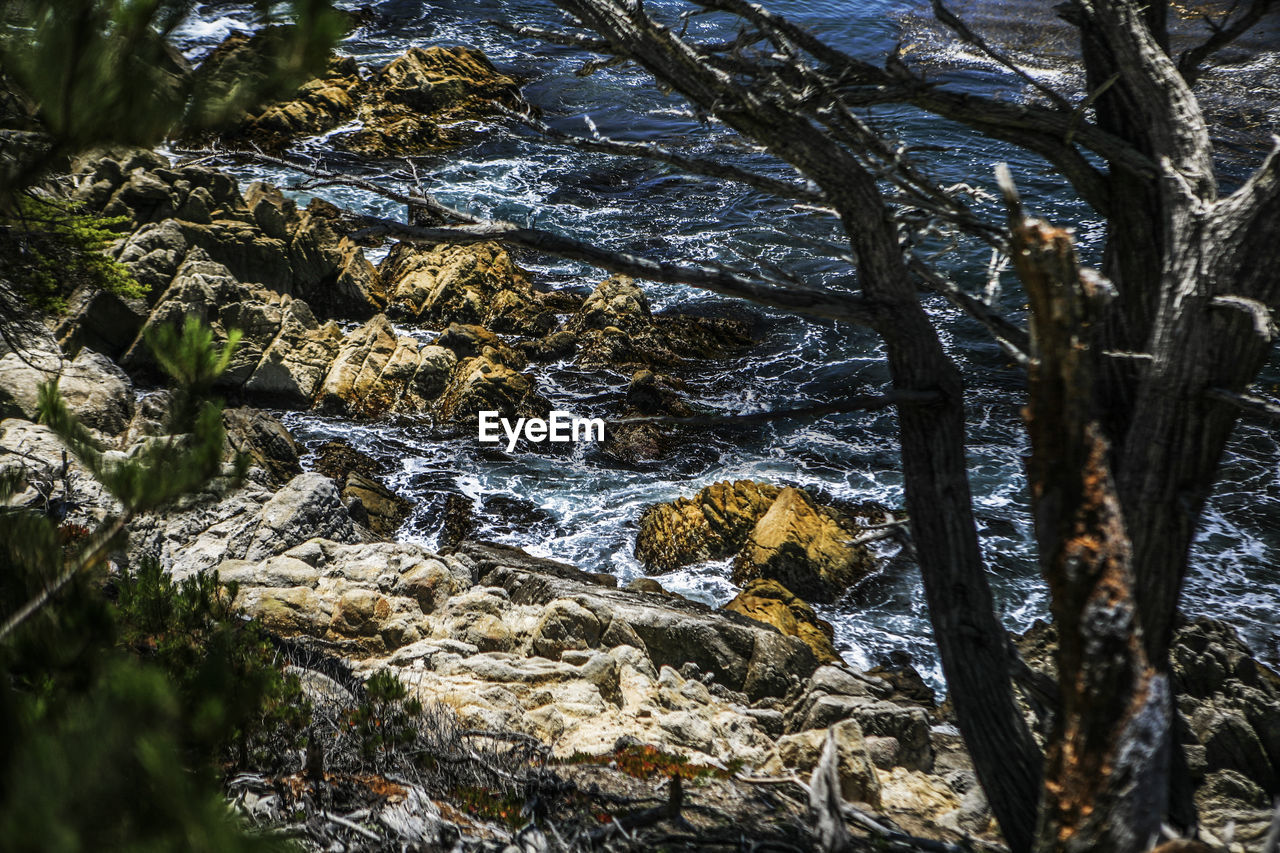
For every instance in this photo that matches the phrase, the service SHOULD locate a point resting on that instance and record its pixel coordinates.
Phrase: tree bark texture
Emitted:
(1106, 769)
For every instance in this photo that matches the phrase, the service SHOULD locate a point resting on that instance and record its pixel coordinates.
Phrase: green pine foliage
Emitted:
(105, 72)
(49, 247)
(124, 700)
(238, 707)
(387, 721)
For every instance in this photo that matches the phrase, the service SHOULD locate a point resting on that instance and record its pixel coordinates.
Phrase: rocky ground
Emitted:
(502, 642)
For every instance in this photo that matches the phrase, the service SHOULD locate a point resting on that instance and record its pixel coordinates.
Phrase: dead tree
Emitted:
(1106, 774)
(1132, 397)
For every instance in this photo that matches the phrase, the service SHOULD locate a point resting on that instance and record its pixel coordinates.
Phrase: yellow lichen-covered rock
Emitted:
(772, 603)
(476, 285)
(803, 547)
(712, 524)
(410, 106)
(287, 610)
(418, 95)
(377, 371)
(487, 383)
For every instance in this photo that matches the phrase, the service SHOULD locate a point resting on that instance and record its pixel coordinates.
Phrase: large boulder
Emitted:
(95, 390)
(773, 604)
(712, 524)
(418, 98)
(309, 506)
(780, 534)
(803, 548)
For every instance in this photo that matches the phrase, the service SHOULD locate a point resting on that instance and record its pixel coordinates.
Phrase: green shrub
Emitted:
(50, 247)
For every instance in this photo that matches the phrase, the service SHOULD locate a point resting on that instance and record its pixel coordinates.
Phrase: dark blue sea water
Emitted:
(584, 509)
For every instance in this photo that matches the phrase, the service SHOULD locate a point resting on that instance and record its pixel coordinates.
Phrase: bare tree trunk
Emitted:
(1107, 767)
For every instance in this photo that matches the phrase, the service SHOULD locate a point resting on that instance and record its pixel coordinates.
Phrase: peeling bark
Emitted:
(1106, 771)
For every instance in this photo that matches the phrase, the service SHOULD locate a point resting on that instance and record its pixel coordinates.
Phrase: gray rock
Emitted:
(309, 507)
(733, 650)
(94, 389)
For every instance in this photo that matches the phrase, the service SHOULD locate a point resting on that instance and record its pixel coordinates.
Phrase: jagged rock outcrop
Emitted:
(804, 548)
(477, 284)
(487, 383)
(773, 604)
(898, 733)
(265, 440)
(412, 105)
(260, 237)
(780, 534)
(616, 328)
(377, 371)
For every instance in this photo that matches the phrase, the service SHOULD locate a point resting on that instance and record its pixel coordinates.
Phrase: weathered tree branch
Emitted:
(1163, 100)
(692, 165)
(1189, 63)
(714, 279)
(1249, 404)
(1107, 763)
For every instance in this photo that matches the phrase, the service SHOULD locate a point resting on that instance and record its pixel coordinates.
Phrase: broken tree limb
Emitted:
(868, 403)
(1107, 765)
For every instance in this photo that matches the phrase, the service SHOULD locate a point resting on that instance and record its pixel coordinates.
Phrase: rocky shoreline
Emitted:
(507, 641)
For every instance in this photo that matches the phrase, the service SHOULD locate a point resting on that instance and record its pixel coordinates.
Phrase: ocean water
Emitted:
(584, 509)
